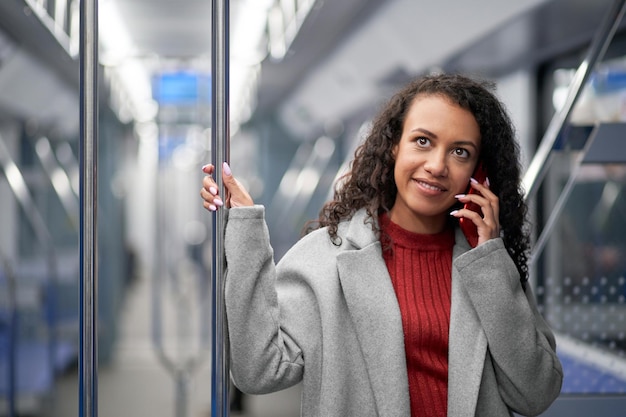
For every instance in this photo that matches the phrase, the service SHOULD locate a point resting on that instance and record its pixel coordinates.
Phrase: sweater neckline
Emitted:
(405, 238)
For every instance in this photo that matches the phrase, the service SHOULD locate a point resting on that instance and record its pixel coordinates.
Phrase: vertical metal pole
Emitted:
(88, 361)
(220, 147)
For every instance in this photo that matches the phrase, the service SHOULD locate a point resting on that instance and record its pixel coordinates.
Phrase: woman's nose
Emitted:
(436, 165)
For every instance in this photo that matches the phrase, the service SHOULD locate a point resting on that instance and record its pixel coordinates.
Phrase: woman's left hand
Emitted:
(486, 217)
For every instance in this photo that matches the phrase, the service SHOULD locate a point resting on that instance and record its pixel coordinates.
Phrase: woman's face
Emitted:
(435, 159)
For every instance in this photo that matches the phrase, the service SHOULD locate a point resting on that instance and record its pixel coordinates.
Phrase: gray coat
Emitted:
(328, 316)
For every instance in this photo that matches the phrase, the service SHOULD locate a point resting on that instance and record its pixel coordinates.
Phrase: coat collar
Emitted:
(373, 306)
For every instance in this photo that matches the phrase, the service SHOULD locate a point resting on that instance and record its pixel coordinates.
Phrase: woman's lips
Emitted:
(432, 187)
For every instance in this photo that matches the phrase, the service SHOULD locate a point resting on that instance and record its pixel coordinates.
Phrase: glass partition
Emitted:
(580, 272)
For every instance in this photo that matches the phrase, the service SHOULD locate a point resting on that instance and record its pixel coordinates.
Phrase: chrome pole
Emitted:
(220, 149)
(88, 361)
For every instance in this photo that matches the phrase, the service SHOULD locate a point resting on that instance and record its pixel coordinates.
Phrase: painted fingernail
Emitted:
(213, 190)
(473, 180)
(218, 202)
(459, 196)
(204, 167)
(227, 170)
(454, 213)
(487, 181)
(212, 207)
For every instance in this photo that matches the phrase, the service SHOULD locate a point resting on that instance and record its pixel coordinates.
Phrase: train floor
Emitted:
(135, 383)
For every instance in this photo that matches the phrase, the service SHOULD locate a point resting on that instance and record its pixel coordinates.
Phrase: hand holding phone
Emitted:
(467, 226)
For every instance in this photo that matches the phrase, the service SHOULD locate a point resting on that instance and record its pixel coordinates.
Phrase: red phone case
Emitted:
(467, 226)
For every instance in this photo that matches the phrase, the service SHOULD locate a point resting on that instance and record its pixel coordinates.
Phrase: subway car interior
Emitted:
(305, 77)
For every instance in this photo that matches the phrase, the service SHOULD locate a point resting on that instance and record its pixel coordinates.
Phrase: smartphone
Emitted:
(467, 226)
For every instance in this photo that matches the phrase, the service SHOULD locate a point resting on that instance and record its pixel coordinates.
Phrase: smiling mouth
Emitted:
(429, 186)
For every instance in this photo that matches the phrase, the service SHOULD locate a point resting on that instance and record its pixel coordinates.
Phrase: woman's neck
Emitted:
(423, 225)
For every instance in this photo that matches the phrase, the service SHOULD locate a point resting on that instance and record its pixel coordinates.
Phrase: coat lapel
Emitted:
(467, 346)
(373, 306)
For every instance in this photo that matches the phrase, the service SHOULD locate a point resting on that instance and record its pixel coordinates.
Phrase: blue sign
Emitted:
(181, 88)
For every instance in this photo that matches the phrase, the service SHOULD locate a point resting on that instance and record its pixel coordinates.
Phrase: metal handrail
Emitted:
(59, 180)
(559, 205)
(600, 43)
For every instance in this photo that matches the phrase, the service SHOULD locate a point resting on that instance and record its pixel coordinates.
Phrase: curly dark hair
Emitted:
(370, 182)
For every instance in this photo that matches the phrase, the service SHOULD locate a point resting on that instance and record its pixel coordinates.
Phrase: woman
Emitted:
(384, 308)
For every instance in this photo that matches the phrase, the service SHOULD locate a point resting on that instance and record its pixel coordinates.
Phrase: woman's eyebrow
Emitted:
(425, 131)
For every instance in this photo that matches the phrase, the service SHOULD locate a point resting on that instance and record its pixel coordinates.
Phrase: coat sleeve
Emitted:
(265, 353)
(521, 344)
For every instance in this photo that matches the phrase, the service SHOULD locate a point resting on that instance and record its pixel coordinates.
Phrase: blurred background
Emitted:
(306, 76)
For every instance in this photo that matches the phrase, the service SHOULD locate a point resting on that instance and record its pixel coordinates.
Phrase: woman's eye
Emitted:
(422, 141)
(463, 153)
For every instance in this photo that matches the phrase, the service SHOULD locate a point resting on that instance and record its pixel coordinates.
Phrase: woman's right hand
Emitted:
(236, 194)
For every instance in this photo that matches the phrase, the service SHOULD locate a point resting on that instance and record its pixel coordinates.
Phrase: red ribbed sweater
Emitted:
(420, 267)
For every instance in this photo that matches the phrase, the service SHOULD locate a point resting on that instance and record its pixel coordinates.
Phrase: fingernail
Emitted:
(487, 181)
(227, 170)
(213, 190)
(205, 166)
(473, 181)
(459, 196)
(454, 213)
(218, 202)
(212, 208)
